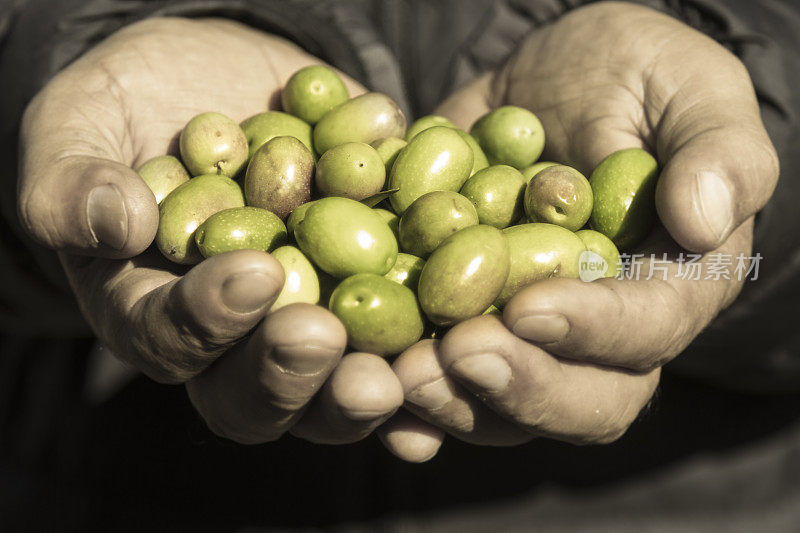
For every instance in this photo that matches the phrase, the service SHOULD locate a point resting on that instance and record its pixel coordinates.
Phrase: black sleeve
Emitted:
(418, 52)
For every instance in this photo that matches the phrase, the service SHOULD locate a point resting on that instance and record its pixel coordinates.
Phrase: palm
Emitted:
(161, 75)
(145, 83)
(584, 105)
(607, 91)
(250, 374)
(603, 78)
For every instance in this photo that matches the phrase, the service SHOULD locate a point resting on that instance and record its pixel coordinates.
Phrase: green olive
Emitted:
(559, 195)
(163, 174)
(186, 208)
(279, 176)
(380, 316)
(302, 284)
(212, 143)
(531, 171)
(240, 228)
(539, 251)
(479, 160)
(264, 127)
(388, 148)
(313, 91)
(406, 270)
(297, 214)
(496, 192)
(350, 170)
(624, 187)
(464, 275)
(344, 237)
(432, 218)
(391, 219)
(604, 247)
(510, 135)
(437, 159)
(423, 123)
(364, 119)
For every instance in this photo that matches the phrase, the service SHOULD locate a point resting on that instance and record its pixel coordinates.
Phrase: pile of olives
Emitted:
(399, 232)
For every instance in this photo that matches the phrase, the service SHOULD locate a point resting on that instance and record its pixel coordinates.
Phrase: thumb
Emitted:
(74, 193)
(720, 167)
(715, 181)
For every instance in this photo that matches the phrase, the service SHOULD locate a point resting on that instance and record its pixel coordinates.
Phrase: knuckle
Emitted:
(200, 328)
(166, 363)
(194, 342)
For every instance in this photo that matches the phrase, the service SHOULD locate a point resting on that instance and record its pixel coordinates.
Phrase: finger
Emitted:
(574, 402)
(639, 324)
(360, 395)
(721, 167)
(437, 399)
(75, 192)
(467, 104)
(409, 438)
(256, 392)
(173, 327)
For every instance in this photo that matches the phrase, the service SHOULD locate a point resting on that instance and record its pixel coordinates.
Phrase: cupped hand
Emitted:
(252, 374)
(578, 361)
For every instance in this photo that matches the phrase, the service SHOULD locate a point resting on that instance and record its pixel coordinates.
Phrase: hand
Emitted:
(120, 104)
(578, 361)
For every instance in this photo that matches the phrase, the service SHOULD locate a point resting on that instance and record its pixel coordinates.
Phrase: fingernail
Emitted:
(107, 216)
(431, 396)
(247, 292)
(542, 328)
(303, 360)
(715, 203)
(487, 371)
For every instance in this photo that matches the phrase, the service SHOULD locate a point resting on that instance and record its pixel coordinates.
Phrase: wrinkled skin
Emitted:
(119, 105)
(697, 110)
(604, 77)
